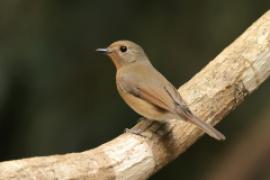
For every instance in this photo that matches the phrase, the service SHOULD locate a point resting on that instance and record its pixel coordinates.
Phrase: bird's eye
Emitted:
(123, 48)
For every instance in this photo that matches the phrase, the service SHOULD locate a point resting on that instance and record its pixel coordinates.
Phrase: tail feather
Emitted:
(210, 130)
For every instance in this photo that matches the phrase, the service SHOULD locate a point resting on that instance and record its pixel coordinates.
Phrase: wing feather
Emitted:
(152, 93)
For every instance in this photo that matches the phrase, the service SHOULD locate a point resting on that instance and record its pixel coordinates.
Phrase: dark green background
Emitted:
(57, 95)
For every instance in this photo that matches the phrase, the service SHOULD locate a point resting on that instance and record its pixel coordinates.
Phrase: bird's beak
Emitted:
(103, 50)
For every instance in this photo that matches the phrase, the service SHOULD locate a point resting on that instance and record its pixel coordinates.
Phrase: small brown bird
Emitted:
(146, 90)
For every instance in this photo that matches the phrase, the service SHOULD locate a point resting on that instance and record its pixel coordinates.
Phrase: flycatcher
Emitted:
(146, 90)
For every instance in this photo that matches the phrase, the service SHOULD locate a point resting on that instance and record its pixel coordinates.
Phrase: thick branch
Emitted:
(211, 94)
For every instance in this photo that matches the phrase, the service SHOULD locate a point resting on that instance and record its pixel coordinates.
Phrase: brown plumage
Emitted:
(146, 90)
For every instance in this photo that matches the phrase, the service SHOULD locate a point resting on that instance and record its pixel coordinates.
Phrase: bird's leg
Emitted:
(142, 119)
(156, 125)
(140, 127)
(163, 129)
(160, 128)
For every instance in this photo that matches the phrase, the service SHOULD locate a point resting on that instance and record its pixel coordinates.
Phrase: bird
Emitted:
(146, 90)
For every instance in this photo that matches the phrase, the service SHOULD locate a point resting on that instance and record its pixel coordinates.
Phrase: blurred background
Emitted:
(57, 95)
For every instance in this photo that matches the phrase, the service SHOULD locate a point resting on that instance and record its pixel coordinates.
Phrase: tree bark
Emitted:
(211, 94)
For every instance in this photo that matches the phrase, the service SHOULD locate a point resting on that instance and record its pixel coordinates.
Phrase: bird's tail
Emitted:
(210, 130)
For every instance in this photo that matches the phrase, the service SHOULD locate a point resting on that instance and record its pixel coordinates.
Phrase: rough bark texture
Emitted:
(211, 94)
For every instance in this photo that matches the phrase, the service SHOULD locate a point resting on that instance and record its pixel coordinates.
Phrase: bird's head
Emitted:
(124, 53)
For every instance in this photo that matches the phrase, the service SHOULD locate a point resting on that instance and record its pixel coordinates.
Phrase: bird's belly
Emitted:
(146, 109)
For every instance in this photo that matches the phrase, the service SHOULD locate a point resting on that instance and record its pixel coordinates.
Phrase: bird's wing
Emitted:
(154, 93)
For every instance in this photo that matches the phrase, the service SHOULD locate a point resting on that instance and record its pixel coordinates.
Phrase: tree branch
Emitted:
(212, 93)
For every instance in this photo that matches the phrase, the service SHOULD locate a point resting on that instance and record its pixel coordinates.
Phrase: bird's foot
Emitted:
(143, 119)
(157, 127)
(134, 131)
(140, 128)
